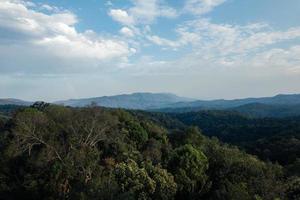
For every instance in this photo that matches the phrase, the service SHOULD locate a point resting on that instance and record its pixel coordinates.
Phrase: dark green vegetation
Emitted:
(271, 139)
(254, 110)
(258, 110)
(278, 100)
(8, 110)
(279, 106)
(277, 140)
(54, 152)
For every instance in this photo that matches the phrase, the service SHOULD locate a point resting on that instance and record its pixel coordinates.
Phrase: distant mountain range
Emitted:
(282, 99)
(260, 110)
(277, 106)
(10, 101)
(141, 101)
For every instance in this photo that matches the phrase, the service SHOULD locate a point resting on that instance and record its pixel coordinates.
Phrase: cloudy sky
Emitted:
(60, 49)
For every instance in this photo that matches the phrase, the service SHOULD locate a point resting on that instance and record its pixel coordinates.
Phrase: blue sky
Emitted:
(60, 49)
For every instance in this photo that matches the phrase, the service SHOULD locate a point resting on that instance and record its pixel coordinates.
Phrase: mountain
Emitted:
(265, 110)
(10, 101)
(129, 101)
(278, 106)
(283, 105)
(290, 99)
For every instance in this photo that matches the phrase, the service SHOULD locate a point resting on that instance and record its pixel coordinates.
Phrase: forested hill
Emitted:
(128, 101)
(10, 101)
(277, 140)
(8, 110)
(279, 106)
(254, 110)
(282, 99)
(258, 110)
(237, 128)
(54, 152)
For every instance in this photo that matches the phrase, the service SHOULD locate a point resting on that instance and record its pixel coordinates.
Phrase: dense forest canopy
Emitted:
(272, 139)
(55, 152)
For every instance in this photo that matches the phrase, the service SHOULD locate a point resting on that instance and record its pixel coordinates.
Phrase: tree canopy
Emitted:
(55, 152)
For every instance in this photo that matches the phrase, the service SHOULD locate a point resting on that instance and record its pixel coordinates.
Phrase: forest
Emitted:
(55, 152)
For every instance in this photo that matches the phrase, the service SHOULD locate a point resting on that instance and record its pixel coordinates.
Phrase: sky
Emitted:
(206, 49)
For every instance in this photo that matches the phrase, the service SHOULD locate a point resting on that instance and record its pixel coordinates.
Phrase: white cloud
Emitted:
(288, 58)
(233, 41)
(51, 36)
(109, 3)
(49, 8)
(146, 12)
(241, 57)
(200, 7)
(127, 32)
(225, 42)
(143, 12)
(121, 16)
(184, 38)
(41, 49)
(83, 47)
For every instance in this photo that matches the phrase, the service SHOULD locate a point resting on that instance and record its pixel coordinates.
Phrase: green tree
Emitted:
(188, 165)
(235, 174)
(165, 184)
(133, 181)
(293, 189)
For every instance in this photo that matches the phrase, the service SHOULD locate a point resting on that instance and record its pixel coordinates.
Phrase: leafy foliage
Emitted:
(277, 140)
(189, 166)
(55, 152)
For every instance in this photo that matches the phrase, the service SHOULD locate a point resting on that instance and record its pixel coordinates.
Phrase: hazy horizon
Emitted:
(203, 49)
(193, 98)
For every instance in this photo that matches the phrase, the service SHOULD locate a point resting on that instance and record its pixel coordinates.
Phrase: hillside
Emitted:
(8, 110)
(279, 106)
(55, 152)
(287, 99)
(128, 101)
(275, 139)
(10, 101)
(268, 110)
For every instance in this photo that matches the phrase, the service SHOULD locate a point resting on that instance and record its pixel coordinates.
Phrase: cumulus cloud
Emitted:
(200, 7)
(240, 57)
(235, 41)
(52, 35)
(287, 58)
(147, 11)
(143, 12)
(184, 38)
(49, 8)
(226, 42)
(40, 46)
(127, 32)
(121, 16)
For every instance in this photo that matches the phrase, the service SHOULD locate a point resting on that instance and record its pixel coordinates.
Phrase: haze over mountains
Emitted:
(11, 101)
(277, 106)
(130, 101)
(282, 99)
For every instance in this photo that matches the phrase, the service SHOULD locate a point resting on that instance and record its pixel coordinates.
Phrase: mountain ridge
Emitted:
(168, 102)
(281, 99)
(13, 101)
(129, 101)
